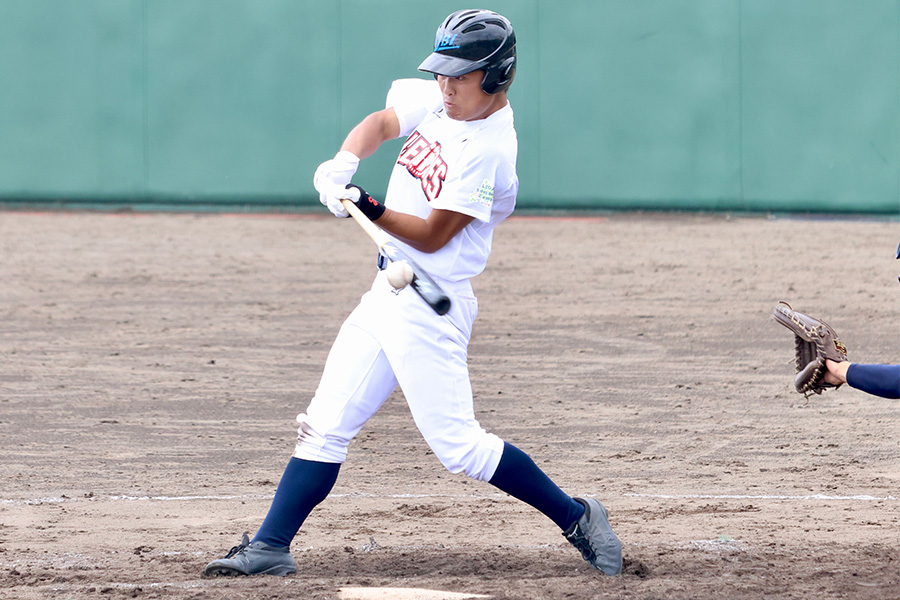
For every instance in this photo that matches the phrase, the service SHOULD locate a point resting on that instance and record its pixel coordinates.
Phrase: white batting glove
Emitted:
(331, 179)
(331, 197)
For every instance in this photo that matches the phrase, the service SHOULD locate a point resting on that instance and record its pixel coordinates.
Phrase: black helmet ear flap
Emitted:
(498, 78)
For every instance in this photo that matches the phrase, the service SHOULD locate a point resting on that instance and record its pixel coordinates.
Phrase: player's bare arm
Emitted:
(426, 235)
(377, 128)
(333, 176)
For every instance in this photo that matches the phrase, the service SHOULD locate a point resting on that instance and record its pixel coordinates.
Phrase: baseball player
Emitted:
(878, 380)
(452, 184)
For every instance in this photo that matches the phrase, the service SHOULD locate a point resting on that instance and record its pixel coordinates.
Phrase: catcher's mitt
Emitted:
(814, 341)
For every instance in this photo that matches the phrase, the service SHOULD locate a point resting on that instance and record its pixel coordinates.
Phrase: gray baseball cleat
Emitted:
(593, 536)
(253, 559)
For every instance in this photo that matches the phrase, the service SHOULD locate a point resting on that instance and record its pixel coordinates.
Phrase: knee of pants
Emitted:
(312, 445)
(477, 458)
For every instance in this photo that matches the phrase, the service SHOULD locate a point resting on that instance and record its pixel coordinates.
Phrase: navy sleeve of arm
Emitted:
(879, 380)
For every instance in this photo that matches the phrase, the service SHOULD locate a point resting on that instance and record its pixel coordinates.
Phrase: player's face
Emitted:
(464, 100)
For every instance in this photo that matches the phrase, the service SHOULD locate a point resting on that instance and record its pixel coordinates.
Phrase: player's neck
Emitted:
(499, 102)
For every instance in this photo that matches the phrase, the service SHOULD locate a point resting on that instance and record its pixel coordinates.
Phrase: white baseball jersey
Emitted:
(393, 338)
(464, 166)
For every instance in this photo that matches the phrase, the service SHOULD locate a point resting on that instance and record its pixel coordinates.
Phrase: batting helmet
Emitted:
(469, 40)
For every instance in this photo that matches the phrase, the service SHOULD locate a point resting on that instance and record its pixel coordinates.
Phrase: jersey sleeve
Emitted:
(470, 188)
(878, 380)
(412, 100)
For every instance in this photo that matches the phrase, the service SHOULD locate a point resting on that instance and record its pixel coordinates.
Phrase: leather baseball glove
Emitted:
(814, 341)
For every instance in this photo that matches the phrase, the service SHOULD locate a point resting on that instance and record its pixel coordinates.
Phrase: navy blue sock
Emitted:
(518, 476)
(305, 484)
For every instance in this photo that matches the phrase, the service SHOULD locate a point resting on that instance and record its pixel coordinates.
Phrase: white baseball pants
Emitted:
(395, 338)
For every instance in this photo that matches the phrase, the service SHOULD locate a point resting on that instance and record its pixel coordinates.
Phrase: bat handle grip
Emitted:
(372, 230)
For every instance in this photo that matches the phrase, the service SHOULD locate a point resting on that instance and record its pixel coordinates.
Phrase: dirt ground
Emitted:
(151, 366)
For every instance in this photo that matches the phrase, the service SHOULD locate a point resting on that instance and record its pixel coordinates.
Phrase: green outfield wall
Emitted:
(771, 105)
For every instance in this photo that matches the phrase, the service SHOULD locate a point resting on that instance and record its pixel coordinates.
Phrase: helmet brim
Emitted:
(448, 66)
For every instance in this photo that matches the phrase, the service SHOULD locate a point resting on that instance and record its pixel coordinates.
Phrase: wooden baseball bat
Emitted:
(421, 282)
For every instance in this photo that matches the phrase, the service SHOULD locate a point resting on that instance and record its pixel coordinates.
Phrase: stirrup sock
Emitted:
(518, 476)
(305, 484)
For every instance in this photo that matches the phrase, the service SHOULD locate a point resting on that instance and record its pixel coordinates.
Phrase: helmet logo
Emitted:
(448, 42)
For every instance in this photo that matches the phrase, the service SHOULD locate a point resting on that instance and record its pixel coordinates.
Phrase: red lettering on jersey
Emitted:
(423, 161)
(431, 183)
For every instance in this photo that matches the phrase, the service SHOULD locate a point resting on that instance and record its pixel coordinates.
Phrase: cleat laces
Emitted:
(240, 548)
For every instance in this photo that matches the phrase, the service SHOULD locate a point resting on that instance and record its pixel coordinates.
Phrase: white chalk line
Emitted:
(823, 497)
(127, 498)
(61, 499)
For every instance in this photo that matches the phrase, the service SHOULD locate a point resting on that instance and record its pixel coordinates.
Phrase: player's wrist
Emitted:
(369, 206)
(348, 158)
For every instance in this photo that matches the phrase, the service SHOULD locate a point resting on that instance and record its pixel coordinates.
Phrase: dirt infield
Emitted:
(151, 367)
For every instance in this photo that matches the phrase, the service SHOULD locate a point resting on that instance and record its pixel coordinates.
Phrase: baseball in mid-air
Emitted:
(399, 274)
